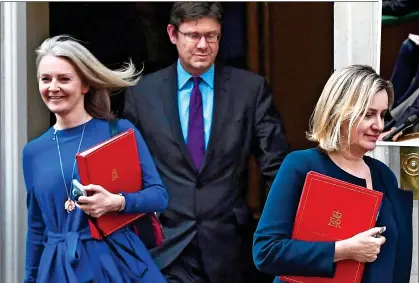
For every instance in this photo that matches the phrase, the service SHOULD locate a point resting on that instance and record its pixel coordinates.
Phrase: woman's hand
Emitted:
(99, 202)
(363, 247)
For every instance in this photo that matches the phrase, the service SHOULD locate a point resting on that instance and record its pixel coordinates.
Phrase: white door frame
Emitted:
(13, 137)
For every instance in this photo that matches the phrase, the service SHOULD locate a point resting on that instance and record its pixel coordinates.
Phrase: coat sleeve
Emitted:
(272, 146)
(274, 252)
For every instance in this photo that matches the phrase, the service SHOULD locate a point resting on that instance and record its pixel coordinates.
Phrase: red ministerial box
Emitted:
(333, 210)
(113, 164)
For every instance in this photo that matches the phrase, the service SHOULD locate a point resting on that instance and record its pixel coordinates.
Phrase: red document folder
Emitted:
(114, 165)
(333, 210)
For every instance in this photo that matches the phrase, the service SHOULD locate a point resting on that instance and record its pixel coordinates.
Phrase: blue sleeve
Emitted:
(36, 225)
(153, 197)
(274, 252)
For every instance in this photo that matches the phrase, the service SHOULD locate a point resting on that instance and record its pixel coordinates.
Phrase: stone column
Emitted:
(13, 136)
(357, 33)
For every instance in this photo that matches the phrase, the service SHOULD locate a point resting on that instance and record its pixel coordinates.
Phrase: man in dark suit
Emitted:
(202, 121)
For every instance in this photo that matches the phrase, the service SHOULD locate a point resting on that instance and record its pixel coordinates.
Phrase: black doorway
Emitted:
(115, 32)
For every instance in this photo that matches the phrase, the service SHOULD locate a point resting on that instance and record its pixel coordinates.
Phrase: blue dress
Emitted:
(58, 245)
(276, 254)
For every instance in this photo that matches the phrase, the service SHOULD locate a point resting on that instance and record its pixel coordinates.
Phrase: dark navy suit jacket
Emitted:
(209, 205)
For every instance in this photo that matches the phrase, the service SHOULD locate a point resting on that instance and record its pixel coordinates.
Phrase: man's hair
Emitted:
(188, 11)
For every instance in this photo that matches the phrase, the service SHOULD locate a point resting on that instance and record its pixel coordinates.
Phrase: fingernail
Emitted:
(383, 229)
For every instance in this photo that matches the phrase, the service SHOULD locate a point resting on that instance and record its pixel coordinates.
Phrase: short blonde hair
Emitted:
(101, 80)
(346, 96)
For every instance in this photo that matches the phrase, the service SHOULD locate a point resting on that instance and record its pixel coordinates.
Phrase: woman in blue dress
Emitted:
(75, 86)
(346, 124)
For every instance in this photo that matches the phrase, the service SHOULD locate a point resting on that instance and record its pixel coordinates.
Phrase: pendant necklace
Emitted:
(69, 204)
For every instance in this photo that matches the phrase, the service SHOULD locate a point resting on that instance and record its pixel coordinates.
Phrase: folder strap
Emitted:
(113, 127)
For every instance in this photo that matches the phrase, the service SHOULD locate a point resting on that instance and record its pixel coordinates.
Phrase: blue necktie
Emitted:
(196, 143)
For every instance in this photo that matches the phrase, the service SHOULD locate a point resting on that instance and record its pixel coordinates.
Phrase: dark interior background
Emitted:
(290, 43)
(115, 32)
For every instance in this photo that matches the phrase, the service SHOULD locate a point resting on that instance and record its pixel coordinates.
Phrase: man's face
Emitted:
(197, 43)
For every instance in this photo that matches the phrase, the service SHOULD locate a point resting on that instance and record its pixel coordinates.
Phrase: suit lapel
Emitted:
(220, 110)
(168, 95)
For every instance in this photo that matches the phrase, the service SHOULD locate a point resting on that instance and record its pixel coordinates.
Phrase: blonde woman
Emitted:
(75, 86)
(346, 124)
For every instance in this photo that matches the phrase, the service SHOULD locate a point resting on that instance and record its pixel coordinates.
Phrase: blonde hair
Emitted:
(346, 96)
(101, 80)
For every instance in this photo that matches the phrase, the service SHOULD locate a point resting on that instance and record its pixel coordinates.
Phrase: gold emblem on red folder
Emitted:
(115, 175)
(335, 219)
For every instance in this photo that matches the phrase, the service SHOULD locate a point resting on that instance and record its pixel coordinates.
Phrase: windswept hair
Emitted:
(346, 96)
(101, 80)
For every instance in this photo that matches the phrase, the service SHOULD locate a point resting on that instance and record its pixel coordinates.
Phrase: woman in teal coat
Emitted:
(346, 124)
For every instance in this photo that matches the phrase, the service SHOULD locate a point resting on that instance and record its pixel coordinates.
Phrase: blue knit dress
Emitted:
(59, 248)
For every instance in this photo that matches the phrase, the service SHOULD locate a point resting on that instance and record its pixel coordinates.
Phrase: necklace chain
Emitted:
(74, 164)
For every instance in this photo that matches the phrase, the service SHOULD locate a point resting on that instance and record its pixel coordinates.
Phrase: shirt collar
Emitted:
(183, 76)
